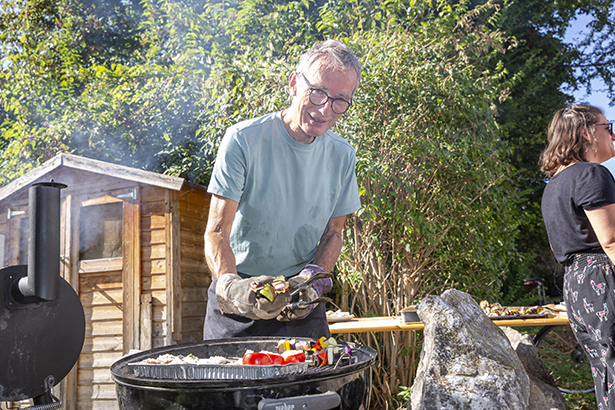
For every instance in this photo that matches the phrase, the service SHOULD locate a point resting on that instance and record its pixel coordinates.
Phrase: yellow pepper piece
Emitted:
(267, 291)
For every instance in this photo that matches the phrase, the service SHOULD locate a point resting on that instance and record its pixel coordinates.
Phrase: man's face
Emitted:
(314, 120)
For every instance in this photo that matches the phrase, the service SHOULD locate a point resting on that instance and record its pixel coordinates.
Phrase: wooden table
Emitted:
(394, 323)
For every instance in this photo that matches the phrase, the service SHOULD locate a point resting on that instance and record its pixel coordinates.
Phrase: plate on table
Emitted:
(335, 317)
(514, 317)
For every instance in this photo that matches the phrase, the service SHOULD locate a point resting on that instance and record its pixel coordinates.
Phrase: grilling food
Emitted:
(270, 290)
(319, 353)
(195, 387)
(495, 309)
(293, 356)
(189, 359)
(257, 298)
(261, 358)
(267, 358)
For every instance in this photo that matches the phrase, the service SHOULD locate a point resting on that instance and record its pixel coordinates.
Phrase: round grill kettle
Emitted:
(42, 323)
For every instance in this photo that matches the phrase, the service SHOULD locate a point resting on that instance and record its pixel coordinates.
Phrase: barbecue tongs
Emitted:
(303, 286)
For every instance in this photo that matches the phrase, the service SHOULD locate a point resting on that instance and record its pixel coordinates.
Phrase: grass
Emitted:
(558, 350)
(585, 401)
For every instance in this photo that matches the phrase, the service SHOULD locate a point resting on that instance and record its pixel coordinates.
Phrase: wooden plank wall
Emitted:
(193, 204)
(102, 293)
(195, 275)
(4, 231)
(153, 266)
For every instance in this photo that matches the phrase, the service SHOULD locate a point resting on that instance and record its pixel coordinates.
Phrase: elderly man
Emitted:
(281, 189)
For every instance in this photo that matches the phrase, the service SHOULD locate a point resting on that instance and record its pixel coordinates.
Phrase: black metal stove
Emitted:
(346, 386)
(42, 323)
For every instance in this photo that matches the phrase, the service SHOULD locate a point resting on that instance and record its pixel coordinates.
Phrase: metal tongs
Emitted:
(303, 303)
(308, 282)
(304, 286)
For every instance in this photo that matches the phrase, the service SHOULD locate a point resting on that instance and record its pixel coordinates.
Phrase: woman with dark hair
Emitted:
(578, 208)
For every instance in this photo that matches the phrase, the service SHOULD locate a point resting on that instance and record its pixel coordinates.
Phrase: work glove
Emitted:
(237, 295)
(311, 294)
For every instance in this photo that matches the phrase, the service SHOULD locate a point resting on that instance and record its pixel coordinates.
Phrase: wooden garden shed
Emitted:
(132, 246)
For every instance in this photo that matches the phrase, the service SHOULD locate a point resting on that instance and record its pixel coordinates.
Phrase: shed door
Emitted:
(105, 242)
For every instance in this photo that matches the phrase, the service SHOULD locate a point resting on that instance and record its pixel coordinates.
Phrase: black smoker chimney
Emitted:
(43, 278)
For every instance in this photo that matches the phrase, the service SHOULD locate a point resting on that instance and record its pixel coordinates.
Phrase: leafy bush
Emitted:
(438, 203)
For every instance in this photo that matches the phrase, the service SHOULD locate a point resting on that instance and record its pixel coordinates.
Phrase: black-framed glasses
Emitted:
(610, 124)
(320, 97)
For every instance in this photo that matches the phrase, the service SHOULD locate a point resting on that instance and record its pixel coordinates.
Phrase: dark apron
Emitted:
(220, 326)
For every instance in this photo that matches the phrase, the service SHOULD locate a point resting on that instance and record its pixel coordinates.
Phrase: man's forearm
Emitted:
(330, 246)
(219, 255)
(218, 252)
(328, 253)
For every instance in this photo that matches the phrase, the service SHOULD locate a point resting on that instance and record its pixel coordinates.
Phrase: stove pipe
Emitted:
(43, 280)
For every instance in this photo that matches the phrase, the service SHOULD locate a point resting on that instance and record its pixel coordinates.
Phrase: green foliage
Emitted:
(596, 60)
(50, 52)
(151, 85)
(537, 60)
(448, 122)
(404, 394)
(437, 198)
(439, 206)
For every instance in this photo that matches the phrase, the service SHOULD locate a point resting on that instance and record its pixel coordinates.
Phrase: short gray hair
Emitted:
(338, 56)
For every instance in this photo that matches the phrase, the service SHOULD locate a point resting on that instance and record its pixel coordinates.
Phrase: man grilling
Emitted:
(281, 189)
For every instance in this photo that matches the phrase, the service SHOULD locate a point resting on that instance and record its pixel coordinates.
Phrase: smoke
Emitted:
(100, 231)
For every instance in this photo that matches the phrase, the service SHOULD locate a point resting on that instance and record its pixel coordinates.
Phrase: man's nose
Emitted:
(326, 108)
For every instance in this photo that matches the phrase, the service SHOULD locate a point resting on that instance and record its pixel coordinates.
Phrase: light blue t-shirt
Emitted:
(287, 192)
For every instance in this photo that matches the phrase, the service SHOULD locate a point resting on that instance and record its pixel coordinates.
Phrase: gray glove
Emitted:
(235, 295)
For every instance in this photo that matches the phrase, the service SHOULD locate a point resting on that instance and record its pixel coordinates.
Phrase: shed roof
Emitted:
(95, 166)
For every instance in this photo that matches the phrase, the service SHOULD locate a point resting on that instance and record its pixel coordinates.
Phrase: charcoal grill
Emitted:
(346, 386)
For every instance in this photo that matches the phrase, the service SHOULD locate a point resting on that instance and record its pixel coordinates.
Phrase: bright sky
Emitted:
(597, 98)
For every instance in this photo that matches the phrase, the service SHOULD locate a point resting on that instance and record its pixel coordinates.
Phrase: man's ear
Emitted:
(292, 84)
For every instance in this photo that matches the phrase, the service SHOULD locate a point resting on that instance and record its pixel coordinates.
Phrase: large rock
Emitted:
(544, 394)
(466, 361)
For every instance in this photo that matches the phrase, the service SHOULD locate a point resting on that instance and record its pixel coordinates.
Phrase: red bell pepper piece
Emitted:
(276, 358)
(293, 356)
(322, 357)
(256, 358)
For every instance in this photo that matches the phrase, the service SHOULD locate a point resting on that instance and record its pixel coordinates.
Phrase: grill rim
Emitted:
(121, 373)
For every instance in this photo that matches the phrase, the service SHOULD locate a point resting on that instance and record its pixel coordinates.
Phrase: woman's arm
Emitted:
(602, 221)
